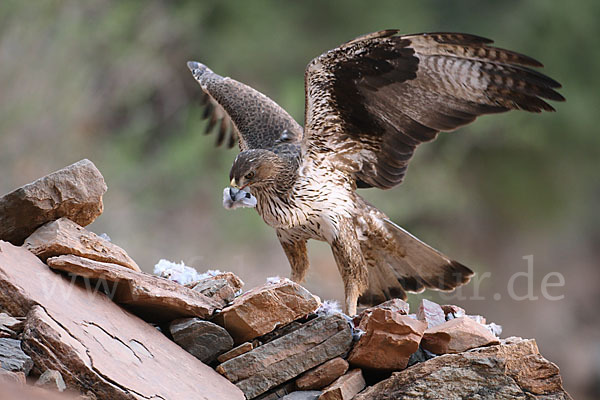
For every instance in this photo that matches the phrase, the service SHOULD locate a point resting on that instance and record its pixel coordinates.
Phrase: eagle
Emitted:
(369, 103)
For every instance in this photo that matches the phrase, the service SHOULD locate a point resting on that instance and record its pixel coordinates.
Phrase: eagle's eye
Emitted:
(249, 175)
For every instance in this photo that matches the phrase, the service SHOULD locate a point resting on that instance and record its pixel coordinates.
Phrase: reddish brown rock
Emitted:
(263, 309)
(236, 351)
(96, 345)
(151, 297)
(74, 192)
(396, 305)
(457, 335)
(345, 387)
(276, 362)
(431, 313)
(64, 236)
(322, 375)
(512, 370)
(388, 340)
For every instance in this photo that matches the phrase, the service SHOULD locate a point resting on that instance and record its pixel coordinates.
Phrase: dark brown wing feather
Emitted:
(242, 113)
(402, 263)
(373, 100)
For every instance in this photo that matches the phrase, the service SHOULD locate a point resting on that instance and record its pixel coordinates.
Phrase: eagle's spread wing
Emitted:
(373, 100)
(244, 113)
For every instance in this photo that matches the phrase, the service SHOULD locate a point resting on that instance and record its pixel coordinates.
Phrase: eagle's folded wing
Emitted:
(373, 100)
(244, 114)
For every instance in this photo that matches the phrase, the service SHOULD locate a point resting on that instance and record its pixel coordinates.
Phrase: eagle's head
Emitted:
(256, 168)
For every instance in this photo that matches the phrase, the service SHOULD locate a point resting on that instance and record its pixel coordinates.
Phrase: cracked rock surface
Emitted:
(96, 345)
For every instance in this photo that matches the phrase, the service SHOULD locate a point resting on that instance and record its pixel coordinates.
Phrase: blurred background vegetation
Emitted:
(107, 80)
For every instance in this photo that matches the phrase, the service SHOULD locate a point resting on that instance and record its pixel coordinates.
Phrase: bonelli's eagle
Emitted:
(369, 104)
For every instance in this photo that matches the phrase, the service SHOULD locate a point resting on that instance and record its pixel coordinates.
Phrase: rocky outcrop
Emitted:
(287, 357)
(95, 344)
(74, 192)
(64, 236)
(78, 328)
(512, 370)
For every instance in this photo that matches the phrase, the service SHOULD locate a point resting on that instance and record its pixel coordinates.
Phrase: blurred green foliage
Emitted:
(107, 80)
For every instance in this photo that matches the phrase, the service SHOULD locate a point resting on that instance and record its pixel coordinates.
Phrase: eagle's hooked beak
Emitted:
(234, 184)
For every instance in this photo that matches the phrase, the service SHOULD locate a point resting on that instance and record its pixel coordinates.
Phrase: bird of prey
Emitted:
(369, 103)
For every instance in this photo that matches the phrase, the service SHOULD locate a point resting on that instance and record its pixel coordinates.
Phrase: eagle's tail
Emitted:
(398, 262)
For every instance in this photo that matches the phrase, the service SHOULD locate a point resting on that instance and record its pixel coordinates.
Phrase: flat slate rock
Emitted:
(202, 339)
(271, 364)
(64, 236)
(12, 358)
(74, 192)
(148, 296)
(512, 370)
(96, 345)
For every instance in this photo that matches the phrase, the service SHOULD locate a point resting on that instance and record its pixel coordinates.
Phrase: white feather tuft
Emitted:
(276, 279)
(329, 307)
(179, 273)
(494, 328)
